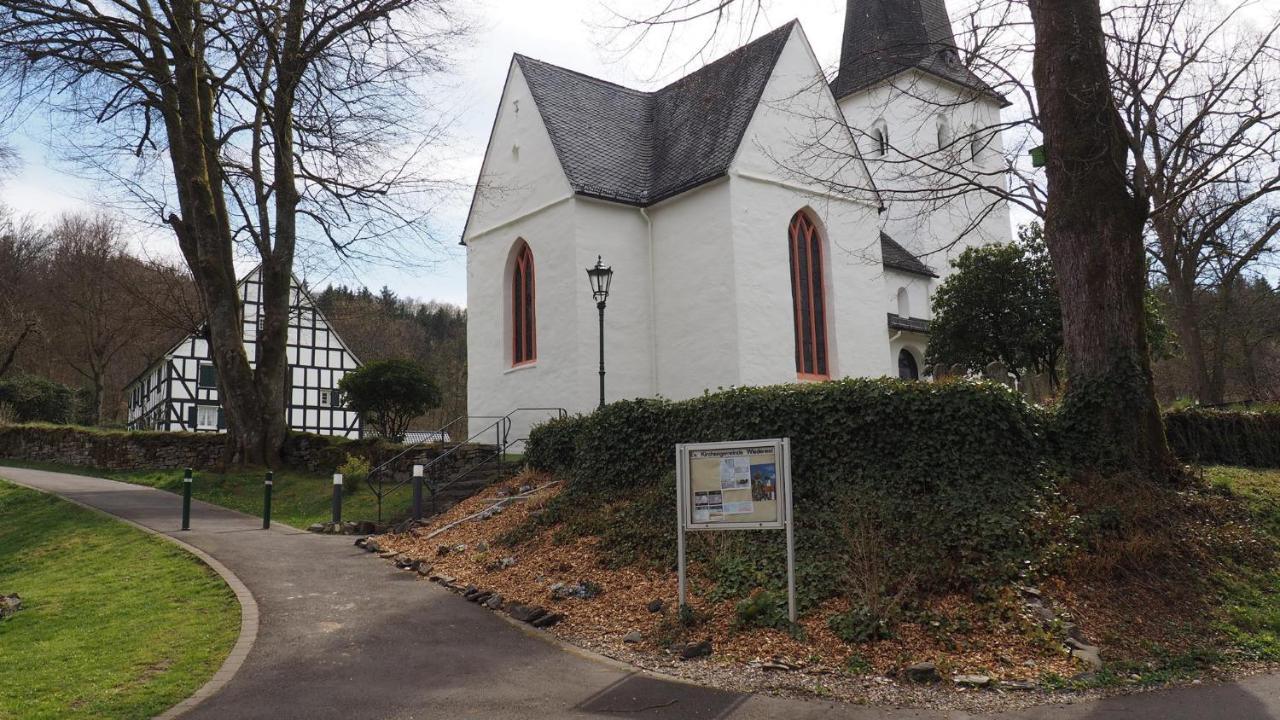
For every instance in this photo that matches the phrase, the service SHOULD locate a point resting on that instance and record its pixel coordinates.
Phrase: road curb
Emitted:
(248, 609)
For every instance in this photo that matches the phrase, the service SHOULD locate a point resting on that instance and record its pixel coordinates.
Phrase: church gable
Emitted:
(521, 171)
(638, 148)
(797, 133)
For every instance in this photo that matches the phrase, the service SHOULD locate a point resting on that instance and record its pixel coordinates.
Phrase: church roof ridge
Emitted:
(640, 147)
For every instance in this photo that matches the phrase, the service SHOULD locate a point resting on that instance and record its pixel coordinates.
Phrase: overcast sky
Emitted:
(572, 33)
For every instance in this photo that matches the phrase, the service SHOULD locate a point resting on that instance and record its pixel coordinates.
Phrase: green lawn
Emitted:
(116, 623)
(297, 499)
(1249, 598)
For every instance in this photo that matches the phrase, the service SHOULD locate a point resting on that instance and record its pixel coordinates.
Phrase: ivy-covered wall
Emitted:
(1220, 437)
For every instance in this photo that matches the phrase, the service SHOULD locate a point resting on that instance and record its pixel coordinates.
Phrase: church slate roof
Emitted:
(885, 37)
(639, 148)
(897, 322)
(897, 257)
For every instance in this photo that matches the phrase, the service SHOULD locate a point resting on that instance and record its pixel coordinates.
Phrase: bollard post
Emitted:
(186, 500)
(417, 492)
(337, 497)
(266, 501)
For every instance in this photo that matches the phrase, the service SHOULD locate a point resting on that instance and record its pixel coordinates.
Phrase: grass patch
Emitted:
(1250, 602)
(115, 624)
(297, 499)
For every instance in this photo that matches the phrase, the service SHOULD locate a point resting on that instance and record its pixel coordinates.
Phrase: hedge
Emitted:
(1225, 437)
(953, 471)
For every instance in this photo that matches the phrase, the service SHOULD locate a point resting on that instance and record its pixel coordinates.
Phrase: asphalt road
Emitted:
(342, 636)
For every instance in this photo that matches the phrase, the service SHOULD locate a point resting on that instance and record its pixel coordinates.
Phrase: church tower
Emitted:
(883, 38)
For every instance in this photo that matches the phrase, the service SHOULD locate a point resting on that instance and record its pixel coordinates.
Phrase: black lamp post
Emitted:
(600, 277)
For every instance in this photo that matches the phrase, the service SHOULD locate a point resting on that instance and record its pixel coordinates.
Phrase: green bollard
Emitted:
(266, 502)
(186, 500)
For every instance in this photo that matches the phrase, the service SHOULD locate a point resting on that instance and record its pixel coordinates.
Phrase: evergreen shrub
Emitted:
(954, 470)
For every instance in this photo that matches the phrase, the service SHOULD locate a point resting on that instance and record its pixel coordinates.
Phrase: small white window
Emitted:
(207, 417)
(944, 134)
(904, 303)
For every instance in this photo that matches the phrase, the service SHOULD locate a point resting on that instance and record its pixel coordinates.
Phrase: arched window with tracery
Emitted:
(524, 326)
(808, 298)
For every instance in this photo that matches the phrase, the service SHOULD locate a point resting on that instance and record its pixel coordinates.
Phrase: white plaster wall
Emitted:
(696, 304)
(620, 234)
(494, 387)
(521, 171)
(775, 174)
(919, 291)
(910, 105)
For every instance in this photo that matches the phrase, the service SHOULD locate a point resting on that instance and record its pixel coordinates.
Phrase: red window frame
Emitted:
(808, 299)
(524, 326)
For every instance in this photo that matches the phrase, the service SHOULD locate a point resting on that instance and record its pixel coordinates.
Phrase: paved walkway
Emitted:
(343, 636)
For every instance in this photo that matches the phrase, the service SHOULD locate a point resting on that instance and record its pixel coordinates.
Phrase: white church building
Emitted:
(757, 217)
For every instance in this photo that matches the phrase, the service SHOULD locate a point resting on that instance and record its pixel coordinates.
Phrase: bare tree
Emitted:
(1200, 95)
(95, 320)
(276, 121)
(23, 247)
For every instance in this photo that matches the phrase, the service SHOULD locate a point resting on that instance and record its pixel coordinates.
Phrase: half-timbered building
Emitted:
(180, 390)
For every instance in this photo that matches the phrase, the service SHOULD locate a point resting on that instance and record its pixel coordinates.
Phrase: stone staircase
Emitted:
(470, 471)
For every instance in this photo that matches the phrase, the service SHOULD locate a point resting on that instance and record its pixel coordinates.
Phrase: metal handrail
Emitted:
(440, 432)
(501, 426)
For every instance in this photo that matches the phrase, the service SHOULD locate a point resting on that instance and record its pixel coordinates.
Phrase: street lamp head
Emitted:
(600, 277)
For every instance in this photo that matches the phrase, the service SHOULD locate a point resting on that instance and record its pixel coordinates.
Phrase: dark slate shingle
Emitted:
(640, 147)
(885, 37)
(897, 257)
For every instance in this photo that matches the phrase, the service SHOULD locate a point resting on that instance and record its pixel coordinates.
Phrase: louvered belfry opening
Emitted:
(524, 342)
(808, 298)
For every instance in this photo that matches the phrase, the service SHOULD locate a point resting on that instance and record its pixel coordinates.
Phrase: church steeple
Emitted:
(885, 37)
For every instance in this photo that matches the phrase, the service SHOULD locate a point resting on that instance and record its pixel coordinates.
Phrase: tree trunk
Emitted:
(1187, 321)
(252, 399)
(1093, 227)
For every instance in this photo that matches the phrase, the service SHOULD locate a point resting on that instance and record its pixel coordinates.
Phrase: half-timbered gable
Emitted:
(180, 391)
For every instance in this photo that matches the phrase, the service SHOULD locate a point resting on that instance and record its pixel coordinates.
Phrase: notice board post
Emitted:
(739, 485)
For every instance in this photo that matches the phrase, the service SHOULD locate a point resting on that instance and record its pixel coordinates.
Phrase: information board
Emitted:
(738, 484)
(741, 485)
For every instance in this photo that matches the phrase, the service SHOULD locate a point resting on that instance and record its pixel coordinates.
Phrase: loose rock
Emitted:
(922, 673)
(633, 637)
(1087, 654)
(1017, 685)
(656, 605)
(547, 620)
(494, 602)
(974, 681)
(10, 604)
(696, 650)
(526, 613)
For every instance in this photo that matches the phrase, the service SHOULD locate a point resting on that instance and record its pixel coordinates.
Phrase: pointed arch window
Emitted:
(808, 298)
(524, 326)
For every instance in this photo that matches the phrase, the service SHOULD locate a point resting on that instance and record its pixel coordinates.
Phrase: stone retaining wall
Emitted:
(124, 450)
